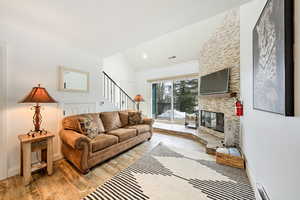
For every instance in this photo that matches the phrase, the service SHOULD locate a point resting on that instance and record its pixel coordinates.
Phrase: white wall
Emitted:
(3, 157)
(119, 69)
(33, 58)
(270, 141)
(144, 88)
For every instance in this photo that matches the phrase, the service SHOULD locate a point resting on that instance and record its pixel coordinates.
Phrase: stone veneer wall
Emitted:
(221, 51)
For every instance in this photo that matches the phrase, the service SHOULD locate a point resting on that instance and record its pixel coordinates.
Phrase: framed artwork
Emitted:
(273, 65)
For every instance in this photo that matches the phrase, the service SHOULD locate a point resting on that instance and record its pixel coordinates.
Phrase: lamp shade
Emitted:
(38, 95)
(138, 98)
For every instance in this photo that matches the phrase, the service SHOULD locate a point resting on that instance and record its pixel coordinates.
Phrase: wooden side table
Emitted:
(40, 142)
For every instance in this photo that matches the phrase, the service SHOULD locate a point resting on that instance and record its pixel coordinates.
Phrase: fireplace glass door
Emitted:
(212, 120)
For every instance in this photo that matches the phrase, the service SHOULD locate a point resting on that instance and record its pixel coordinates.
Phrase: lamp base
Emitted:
(32, 133)
(37, 117)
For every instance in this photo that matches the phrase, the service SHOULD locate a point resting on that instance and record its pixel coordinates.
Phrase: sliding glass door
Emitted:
(162, 101)
(185, 93)
(174, 100)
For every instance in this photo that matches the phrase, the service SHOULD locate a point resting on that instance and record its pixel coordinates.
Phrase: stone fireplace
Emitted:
(222, 51)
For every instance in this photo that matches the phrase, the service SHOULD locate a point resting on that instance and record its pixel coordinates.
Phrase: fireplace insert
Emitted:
(192, 120)
(212, 120)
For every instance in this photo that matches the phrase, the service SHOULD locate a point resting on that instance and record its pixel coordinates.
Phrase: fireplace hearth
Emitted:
(212, 120)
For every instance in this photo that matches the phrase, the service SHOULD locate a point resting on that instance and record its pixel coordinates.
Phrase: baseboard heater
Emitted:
(262, 192)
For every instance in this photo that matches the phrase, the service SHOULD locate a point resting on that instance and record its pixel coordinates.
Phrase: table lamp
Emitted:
(138, 99)
(38, 95)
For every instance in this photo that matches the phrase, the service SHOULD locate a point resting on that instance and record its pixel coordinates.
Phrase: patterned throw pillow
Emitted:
(88, 127)
(135, 118)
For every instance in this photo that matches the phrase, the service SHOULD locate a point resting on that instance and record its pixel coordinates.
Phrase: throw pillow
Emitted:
(111, 120)
(124, 118)
(73, 122)
(88, 127)
(135, 118)
(96, 120)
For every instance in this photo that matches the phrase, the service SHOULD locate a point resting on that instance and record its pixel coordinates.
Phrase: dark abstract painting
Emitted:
(273, 81)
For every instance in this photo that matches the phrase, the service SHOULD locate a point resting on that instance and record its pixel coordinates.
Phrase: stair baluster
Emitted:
(116, 95)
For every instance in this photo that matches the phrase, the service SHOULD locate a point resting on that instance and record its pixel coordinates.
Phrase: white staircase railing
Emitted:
(116, 95)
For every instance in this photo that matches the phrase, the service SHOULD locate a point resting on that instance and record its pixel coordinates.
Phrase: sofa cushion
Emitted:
(123, 133)
(75, 122)
(134, 118)
(111, 120)
(103, 141)
(124, 118)
(141, 128)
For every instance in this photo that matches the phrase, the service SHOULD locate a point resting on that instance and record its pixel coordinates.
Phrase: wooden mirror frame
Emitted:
(61, 87)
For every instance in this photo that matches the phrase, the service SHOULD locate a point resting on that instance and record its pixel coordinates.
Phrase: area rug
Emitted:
(169, 173)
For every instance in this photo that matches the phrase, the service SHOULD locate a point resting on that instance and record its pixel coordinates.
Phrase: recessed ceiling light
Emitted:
(171, 57)
(144, 55)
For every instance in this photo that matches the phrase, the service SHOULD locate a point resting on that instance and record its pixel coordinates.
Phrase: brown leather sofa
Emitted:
(115, 136)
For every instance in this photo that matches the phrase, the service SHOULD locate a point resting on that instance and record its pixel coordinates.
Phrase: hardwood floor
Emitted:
(67, 183)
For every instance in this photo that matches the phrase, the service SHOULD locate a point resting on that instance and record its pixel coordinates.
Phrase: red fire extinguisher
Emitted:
(239, 108)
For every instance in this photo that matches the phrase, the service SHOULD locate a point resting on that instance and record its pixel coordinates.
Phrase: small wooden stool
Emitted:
(40, 142)
(231, 157)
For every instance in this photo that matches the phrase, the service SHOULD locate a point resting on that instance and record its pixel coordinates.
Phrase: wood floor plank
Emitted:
(67, 183)
(3, 189)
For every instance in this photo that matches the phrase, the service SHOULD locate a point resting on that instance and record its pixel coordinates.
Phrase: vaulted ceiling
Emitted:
(179, 46)
(104, 27)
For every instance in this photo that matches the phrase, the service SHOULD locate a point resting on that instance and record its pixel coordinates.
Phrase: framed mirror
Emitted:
(73, 80)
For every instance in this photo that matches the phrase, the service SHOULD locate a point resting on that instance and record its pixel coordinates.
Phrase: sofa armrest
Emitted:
(148, 121)
(74, 139)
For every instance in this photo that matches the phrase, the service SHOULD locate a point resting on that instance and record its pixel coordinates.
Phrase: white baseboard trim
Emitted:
(58, 156)
(251, 179)
(13, 171)
(250, 175)
(2, 178)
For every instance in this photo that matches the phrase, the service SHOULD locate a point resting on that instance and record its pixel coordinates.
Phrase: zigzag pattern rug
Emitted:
(168, 173)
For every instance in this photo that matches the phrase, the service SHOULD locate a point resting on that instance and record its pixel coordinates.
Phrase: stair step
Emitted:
(211, 142)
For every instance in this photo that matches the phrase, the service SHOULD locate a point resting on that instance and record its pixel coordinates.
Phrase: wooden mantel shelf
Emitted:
(224, 95)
